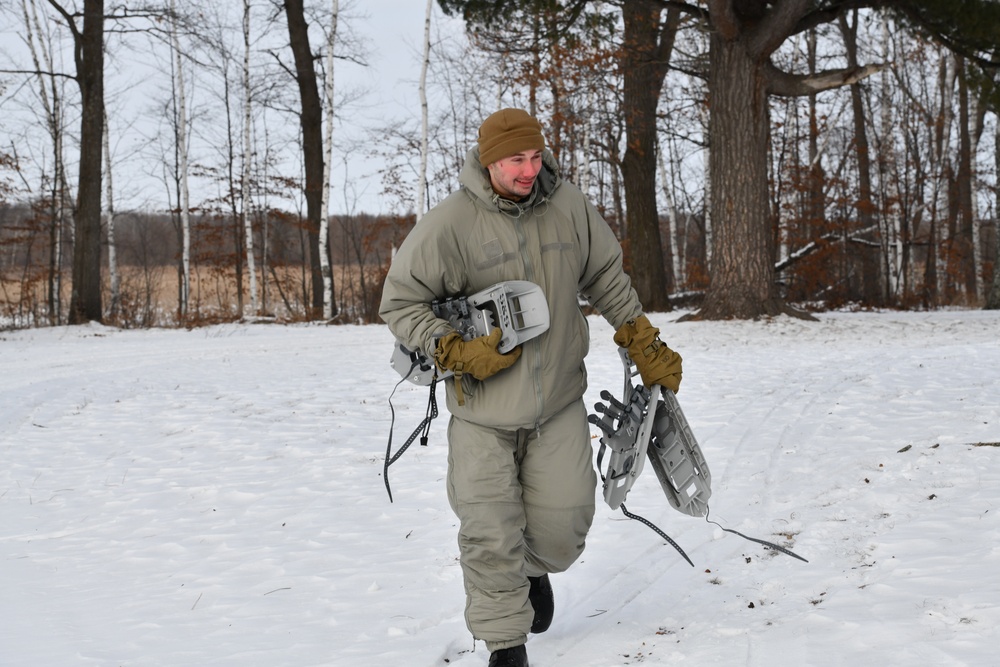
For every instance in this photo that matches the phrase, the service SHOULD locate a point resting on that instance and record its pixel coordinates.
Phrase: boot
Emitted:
(515, 656)
(542, 601)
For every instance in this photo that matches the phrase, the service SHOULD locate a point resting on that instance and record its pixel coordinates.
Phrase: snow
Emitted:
(215, 497)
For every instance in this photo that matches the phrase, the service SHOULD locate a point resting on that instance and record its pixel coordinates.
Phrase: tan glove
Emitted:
(478, 357)
(657, 363)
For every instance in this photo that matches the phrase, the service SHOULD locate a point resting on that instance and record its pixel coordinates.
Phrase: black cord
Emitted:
(771, 545)
(423, 429)
(659, 532)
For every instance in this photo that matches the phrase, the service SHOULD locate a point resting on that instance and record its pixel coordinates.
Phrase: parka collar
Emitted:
(476, 181)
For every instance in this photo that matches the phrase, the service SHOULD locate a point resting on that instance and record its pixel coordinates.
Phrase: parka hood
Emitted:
(476, 181)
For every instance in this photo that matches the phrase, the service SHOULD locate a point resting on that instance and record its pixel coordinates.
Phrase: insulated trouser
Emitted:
(525, 500)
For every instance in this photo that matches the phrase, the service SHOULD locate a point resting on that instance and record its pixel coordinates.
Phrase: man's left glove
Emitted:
(478, 357)
(657, 363)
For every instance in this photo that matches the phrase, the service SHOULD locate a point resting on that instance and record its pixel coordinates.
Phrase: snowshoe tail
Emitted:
(677, 460)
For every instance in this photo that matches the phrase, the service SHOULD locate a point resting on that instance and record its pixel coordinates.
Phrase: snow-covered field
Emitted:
(215, 497)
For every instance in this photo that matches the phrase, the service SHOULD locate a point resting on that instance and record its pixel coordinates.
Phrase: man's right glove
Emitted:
(478, 357)
(657, 363)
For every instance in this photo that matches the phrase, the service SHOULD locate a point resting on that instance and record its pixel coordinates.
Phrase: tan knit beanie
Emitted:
(506, 133)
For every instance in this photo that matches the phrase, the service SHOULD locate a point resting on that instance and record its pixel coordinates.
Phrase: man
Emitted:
(520, 473)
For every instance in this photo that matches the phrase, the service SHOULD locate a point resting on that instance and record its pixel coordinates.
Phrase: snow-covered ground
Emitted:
(215, 497)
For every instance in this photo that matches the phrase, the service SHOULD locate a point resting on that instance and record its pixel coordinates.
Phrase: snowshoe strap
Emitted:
(652, 526)
(635, 517)
(770, 545)
(422, 430)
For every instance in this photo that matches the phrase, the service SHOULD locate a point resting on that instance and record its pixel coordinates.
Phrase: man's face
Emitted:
(513, 177)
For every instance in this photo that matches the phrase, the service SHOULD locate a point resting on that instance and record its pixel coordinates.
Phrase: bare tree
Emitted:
(324, 229)
(962, 258)
(311, 122)
(741, 77)
(993, 296)
(247, 161)
(873, 292)
(51, 98)
(648, 44)
(88, 55)
(425, 63)
(180, 123)
(113, 272)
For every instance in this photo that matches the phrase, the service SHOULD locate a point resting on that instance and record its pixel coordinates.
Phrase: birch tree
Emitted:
(324, 224)
(940, 128)
(183, 191)
(666, 184)
(247, 162)
(895, 251)
(425, 63)
(109, 218)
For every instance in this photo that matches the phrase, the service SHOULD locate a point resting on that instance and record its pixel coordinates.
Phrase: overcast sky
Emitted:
(393, 33)
(383, 91)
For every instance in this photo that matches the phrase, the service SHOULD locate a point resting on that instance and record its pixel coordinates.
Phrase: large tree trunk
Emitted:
(964, 249)
(742, 272)
(85, 300)
(311, 120)
(644, 64)
(741, 76)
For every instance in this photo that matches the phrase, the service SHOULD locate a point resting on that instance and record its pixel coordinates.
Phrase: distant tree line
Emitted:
(148, 246)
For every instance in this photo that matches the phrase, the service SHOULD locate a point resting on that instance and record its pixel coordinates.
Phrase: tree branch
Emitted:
(666, 40)
(781, 19)
(70, 21)
(37, 72)
(822, 242)
(684, 7)
(945, 33)
(784, 84)
(830, 11)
